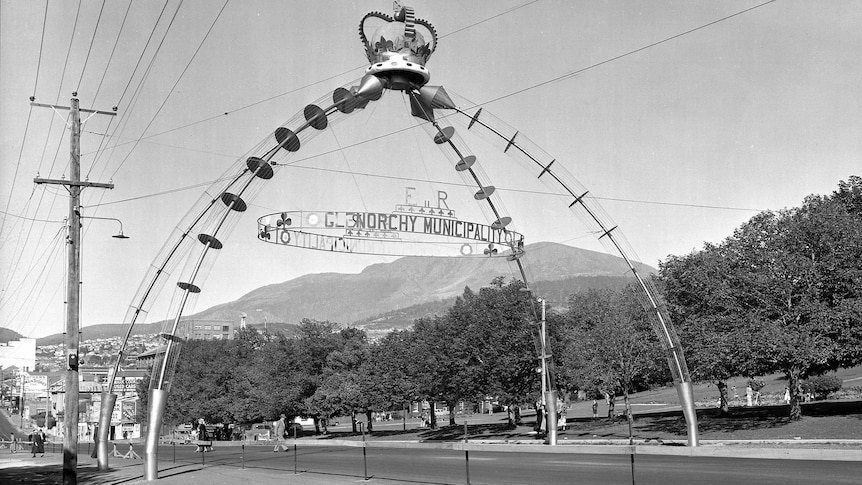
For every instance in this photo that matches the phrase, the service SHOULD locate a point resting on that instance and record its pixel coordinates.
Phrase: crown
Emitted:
(397, 47)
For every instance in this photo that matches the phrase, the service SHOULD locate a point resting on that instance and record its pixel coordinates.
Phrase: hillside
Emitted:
(391, 295)
(7, 335)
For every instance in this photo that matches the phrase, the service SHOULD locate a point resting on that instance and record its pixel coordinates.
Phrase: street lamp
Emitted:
(118, 236)
(71, 388)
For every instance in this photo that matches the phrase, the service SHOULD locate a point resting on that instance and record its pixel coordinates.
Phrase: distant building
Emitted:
(92, 381)
(19, 353)
(210, 329)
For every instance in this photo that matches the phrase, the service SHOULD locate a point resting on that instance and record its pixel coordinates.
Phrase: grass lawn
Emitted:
(659, 417)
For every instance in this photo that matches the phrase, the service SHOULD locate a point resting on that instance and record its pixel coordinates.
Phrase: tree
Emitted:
(788, 289)
(201, 383)
(609, 336)
(719, 336)
(483, 346)
(340, 387)
(384, 376)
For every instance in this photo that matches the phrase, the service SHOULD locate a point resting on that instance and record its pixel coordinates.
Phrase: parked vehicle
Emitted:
(258, 432)
(300, 424)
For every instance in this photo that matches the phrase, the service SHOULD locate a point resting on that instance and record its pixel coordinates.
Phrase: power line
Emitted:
(29, 218)
(185, 69)
(262, 101)
(612, 59)
(89, 49)
(27, 124)
(528, 88)
(99, 87)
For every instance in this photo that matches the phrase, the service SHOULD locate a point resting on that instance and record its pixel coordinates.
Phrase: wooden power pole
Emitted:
(73, 285)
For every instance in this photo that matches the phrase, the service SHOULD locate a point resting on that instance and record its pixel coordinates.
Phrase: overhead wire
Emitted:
(329, 78)
(27, 124)
(17, 255)
(89, 49)
(21, 244)
(182, 74)
(104, 137)
(574, 73)
(52, 249)
(559, 78)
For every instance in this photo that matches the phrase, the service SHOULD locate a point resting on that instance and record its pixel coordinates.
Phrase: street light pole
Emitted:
(549, 394)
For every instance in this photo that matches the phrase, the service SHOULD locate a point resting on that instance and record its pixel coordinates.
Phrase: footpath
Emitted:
(22, 468)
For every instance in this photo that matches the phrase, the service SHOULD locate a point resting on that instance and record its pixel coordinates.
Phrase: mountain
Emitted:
(8, 335)
(411, 281)
(391, 295)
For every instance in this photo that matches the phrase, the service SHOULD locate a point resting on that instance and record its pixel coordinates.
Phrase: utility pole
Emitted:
(73, 284)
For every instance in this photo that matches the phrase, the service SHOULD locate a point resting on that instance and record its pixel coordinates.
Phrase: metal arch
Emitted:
(664, 329)
(254, 169)
(443, 137)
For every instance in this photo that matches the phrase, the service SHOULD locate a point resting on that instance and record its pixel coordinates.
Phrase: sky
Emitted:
(684, 118)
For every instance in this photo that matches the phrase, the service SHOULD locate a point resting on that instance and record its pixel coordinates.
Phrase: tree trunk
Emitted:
(795, 386)
(629, 416)
(433, 417)
(722, 398)
(369, 420)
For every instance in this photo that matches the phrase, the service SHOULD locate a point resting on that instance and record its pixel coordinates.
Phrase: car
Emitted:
(258, 432)
(299, 425)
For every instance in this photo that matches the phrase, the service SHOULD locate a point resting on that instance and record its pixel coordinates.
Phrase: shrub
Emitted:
(822, 386)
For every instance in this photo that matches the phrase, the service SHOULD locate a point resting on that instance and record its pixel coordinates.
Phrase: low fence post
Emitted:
(294, 450)
(364, 455)
(174, 446)
(242, 455)
(466, 453)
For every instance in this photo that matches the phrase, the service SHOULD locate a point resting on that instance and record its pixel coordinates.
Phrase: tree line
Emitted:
(484, 347)
(781, 294)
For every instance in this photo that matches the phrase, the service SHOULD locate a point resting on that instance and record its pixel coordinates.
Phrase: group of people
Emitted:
(37, 442)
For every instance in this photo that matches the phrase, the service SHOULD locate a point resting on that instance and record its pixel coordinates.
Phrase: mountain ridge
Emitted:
(382, 294)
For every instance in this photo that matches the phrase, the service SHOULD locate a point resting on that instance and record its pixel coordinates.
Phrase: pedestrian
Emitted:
(38, 445)
(540, 415)
(278, 429)
(562, 415)
(517, 415)
(203, 437)
(786, 396)
(13, 446)
(95, 452)
(595, 409)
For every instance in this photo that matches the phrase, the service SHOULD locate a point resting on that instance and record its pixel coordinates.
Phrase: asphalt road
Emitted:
(436, 466)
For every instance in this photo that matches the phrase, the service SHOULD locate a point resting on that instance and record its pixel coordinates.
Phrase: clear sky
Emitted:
(684, 140)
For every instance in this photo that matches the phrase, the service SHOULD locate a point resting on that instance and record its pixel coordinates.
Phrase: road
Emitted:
(437, 466)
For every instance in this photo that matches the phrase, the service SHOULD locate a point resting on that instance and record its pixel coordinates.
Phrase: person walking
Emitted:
(13, 446)
(38, 445)
(278, 429)
(203, 436)
(95, 453)
(595, 409)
